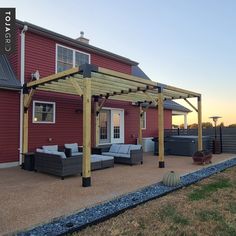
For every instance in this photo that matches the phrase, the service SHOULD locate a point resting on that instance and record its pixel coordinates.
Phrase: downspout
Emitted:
(22, 80)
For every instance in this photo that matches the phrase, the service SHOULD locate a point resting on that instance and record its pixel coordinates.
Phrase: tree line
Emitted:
(205, 125)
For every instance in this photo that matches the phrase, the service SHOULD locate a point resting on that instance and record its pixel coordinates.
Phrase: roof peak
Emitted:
(62, 38)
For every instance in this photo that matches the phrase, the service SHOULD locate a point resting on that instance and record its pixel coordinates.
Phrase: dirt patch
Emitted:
(206, 208)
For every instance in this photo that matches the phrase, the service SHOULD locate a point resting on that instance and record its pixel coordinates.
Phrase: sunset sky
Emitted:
(185, 43)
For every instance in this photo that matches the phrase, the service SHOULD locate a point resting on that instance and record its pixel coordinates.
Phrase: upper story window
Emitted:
(43, 112)
(67, 58)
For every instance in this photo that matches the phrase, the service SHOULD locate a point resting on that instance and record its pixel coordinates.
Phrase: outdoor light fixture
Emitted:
(35, 75)
(215, 119)
(216, 144)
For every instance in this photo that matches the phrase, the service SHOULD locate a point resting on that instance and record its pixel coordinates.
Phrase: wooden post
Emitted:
(140, 133)
(86, 171)
(27, 98)
(161, 129)
(96, 123)
(199, 123)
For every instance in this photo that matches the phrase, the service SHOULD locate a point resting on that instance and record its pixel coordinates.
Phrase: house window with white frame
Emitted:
(43, 112)
(143, 120)
(67, 58)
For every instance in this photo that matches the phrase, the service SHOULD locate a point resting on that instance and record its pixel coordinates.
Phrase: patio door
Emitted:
(111, 123)
(104, 120)
(117, 126)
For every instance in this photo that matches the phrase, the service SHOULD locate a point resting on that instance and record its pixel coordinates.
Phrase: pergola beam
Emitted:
(76, 86)
(53, 77)
(126, 76)
(28, 98)
(190, 104)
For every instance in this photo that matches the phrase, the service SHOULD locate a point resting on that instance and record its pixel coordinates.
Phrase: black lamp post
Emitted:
(215, 119)
(215, 143)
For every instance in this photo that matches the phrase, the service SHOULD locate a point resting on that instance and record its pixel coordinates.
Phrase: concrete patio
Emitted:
(28, 199)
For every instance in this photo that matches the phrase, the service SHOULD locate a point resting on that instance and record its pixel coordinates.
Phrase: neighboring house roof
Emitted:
(7, 77)
(73, 42)
(137, 71)
(171, 105)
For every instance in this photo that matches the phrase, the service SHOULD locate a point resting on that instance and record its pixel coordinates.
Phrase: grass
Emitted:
(208, 189)
(206, 208)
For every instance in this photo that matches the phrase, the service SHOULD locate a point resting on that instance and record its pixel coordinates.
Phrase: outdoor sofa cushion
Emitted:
(134, 147)
(114, 148)
(72, 146)
(113, 154)
(72, 149)
(50, 148)
(39, 150)
(124, 148)
(61, 154)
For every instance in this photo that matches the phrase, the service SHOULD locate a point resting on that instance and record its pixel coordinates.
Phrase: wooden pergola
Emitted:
(100, 83)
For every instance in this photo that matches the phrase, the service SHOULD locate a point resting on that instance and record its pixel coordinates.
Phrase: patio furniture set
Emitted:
(68, 160)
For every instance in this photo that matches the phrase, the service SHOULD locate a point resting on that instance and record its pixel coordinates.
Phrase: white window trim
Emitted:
(145, 120)
(44, 122)
(74, 50)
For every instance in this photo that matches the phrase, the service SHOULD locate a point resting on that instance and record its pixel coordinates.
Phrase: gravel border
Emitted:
(101, 212)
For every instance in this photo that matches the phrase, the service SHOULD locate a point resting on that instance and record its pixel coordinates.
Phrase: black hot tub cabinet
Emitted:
(183, 145)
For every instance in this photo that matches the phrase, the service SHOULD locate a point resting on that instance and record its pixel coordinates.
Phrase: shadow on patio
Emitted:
(28, 198)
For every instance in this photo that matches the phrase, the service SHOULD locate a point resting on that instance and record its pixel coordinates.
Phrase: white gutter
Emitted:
(22, 80)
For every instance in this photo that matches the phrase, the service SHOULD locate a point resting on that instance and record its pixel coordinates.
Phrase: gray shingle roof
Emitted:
(171, 105)
(137, 71)
(7, 77)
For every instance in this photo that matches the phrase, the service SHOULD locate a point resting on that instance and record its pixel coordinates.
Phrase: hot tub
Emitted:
(183, 145)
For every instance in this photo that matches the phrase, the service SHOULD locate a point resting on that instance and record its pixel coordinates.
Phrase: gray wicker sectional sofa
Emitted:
(126, 153)
(51, 161)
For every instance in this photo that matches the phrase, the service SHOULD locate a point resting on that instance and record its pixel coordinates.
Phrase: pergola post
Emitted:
(161, 128)
(27, 98)
(86, 171)
(140, 133)
(96, 122)
(199, 103)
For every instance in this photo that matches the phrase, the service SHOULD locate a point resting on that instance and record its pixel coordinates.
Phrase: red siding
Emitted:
(14, 58)
(69, 126)
(110, 64)
(41, 55)
(9, 126)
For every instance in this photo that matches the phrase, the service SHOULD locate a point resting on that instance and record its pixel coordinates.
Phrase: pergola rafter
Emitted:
(92, 81)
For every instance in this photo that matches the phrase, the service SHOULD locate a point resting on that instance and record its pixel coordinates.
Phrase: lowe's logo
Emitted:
(7, 30)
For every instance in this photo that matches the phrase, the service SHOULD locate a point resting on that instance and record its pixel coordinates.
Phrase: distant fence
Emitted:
(226, 136)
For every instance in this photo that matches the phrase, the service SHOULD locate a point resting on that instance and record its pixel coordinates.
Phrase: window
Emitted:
(67, 58)
(43, 112)
(143, 120)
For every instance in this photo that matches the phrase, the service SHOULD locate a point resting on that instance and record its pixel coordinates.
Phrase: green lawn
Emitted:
(206, 208)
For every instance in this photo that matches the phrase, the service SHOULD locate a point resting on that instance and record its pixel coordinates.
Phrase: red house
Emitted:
(57, 119)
